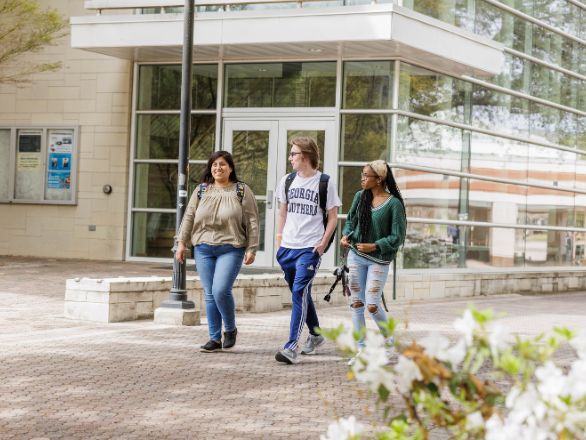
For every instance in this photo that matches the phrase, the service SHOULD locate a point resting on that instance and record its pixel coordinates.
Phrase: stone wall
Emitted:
(93, 92)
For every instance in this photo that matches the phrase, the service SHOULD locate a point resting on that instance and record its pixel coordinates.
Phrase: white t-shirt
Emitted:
(304, 225)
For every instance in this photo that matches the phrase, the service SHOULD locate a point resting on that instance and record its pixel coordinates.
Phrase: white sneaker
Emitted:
(287, 356)
(312, 343)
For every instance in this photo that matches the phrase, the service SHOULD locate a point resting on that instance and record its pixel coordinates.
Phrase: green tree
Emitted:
(26, 28)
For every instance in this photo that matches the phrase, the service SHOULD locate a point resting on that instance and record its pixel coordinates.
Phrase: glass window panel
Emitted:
(581, 132)
(449, 11)
(513, 74)
(430, 246)
(157, 136)
(552, 125)
(428, 144)
(498, 111)
(250, 149)
(309, 84)
(493, 156)
(550, 207)
(429, 195)
(368, 84)
(152, 234)
(580, 213)
(160, 87)
(196, 171)
(349, 185)
(581, 171)
(365, 137)
(496, 202)
(551, 248)
(155, 185)
(549, 166)
(432, 94)
(5, 168)
(318, 135)
(494, 247)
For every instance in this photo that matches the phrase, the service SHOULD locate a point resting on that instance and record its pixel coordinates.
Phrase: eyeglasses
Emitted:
(294, 153)
(366, 176)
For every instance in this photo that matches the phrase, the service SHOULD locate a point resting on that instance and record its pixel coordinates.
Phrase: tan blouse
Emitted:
(219, 218)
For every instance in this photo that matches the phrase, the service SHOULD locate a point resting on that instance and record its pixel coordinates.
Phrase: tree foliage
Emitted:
(26, 28)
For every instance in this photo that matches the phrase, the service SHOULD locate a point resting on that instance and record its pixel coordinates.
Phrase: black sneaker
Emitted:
(211, 346)
(230, 339)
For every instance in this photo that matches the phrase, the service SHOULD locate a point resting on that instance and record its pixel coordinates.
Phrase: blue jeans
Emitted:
(300, 267)
(366, 280)
(218, 267)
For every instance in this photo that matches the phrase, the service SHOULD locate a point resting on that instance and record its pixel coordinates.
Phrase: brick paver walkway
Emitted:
(62, 379)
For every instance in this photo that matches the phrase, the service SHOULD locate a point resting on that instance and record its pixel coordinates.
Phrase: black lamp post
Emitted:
(178, 294)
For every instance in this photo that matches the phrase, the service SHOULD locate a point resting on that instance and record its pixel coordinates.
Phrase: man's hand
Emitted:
(320, 249)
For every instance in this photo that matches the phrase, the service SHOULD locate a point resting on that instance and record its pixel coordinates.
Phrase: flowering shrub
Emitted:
(485, 385)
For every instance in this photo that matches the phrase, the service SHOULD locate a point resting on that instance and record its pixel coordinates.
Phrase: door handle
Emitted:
(269, 200)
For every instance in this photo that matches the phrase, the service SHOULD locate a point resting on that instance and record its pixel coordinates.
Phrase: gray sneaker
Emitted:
(287, 356)
(312, 343)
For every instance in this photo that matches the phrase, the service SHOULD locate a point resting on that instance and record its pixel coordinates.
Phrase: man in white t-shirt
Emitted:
(302, 240)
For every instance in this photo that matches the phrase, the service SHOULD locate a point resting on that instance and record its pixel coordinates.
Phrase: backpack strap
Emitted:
(288, 182)
(240, 191)
(323, 200)
(203, 187)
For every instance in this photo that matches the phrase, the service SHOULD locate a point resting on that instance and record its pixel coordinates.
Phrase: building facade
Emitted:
(479, 106)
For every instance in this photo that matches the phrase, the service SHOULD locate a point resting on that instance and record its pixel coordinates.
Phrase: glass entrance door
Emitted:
(261, 150)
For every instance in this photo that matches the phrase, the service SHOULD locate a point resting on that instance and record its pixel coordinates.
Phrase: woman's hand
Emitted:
(366, 248)
(249, 258)
(344, 242)
(180, 252)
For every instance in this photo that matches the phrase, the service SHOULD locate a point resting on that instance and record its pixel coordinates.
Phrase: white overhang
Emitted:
(368, 31)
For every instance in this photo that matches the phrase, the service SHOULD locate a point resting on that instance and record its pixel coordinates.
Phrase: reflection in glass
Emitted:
(551, 248)
(152, 234)
(349, 185)
(155, 185)
(548, 207)
(430, 246)
(157, 136)
(303, 84)
(498, 111)
(433, 94)
(250, 150)
(428, 144)
(497, 202)
(365, 137)
(552, 125)
(549, 166)
(368, 85)
(159, 87)
(493, 156)
(429, 195)
(318, 135)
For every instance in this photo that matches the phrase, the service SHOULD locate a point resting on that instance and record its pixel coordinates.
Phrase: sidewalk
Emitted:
(62, 379)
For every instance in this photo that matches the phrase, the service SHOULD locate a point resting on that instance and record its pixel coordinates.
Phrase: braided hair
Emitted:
(364, 208)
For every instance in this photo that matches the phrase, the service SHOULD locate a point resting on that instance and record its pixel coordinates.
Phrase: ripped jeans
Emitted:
(366, 280)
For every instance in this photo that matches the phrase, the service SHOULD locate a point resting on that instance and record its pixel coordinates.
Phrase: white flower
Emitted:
(466, 325)
(346, 340)
(552, 382)
(435, 345)
(576, 379)
(406, 372)
(370, 367)
(579, 344)
(343, 429)
(455, 355)
(498, 336)
(474, 421)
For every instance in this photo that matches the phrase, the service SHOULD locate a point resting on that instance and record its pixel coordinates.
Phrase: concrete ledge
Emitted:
(128, 299)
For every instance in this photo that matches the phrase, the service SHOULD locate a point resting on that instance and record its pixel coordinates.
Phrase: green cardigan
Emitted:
(387, 230)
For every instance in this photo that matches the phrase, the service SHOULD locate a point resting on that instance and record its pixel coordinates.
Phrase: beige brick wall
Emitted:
(94, 92)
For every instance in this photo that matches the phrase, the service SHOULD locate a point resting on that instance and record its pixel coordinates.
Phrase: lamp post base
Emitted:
(177, 316)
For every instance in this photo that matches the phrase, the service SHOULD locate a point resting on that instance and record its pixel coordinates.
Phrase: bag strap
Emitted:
(288, 182)
(240, 191)
(203, 187)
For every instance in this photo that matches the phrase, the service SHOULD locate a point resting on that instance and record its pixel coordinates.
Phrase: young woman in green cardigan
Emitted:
(374, 231)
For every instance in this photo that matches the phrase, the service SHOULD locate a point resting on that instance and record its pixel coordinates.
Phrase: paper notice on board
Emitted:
(28, 161)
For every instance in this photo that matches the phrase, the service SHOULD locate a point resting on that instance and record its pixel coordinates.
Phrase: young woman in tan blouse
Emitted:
(221, 221)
